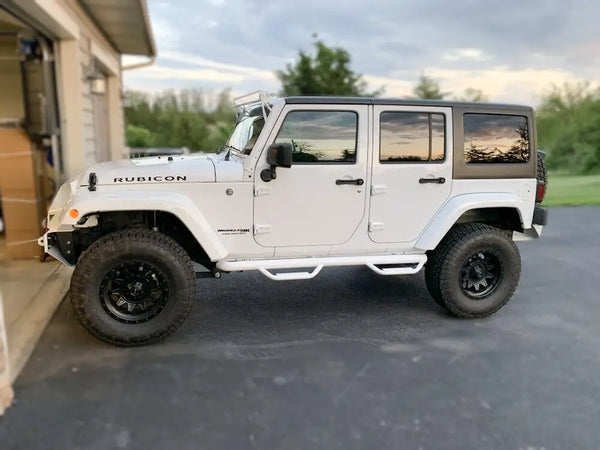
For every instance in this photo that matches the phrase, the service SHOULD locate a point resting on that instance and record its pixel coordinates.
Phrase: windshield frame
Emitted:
(246, 114)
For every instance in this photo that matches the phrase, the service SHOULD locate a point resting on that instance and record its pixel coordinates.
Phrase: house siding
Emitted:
(87, 104)
(97, 56)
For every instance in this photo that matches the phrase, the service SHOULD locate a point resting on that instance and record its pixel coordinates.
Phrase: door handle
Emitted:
(440, 180)
(357, 181)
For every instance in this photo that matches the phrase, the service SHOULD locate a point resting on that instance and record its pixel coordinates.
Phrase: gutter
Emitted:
(149, 33)
(151, 61)
(149, 38)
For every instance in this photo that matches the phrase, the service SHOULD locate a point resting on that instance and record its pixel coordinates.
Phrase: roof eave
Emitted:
(119, 42)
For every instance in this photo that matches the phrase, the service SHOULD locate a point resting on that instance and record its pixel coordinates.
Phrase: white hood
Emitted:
(163, 169)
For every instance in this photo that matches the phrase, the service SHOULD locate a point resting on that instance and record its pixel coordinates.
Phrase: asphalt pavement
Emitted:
(349, 360)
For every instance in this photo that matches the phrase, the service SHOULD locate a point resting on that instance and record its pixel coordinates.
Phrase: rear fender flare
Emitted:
(457, 206)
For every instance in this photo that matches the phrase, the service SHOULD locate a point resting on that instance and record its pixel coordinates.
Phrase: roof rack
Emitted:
(253, 97)
(264, 98)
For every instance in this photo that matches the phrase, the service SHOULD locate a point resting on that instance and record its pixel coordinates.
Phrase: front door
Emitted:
(411, 171)
(321, 199)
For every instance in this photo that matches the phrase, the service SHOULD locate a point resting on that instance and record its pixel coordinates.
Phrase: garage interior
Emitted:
(28, 136)
(60, 112)
(29, 174)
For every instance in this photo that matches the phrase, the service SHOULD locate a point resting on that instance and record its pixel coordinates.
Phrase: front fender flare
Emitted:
(179, 205)
(458, 205)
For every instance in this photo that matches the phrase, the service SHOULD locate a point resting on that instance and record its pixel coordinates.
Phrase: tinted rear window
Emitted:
(495, 138)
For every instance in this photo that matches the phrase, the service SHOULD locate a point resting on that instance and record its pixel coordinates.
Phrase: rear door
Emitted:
(412, 170)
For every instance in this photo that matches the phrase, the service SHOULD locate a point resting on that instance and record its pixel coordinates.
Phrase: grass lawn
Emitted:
(572, 190)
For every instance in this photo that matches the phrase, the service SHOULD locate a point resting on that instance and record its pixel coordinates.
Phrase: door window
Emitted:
(320, 136)
(411, 137)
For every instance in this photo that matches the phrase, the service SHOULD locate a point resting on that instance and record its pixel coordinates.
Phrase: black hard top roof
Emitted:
(329, 100)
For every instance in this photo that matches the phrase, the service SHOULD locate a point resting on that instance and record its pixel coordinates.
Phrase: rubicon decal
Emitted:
(157, 178)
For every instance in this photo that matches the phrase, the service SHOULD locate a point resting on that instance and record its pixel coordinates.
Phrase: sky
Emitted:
(512, 50)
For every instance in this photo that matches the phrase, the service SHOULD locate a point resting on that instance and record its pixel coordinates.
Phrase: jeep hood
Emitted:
(163, 169)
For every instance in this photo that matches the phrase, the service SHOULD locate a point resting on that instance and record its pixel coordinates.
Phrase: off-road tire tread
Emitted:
(88, 261)
(459, 236)
(432, 267)
(541, 173)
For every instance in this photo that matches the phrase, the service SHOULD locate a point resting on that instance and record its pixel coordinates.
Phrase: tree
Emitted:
(138, 137)
(186, 118)
(428, 88)
(472, 95)
(326, 73)
(568, 123)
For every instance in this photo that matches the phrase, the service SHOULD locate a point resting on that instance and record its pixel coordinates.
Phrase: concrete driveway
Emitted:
(350, 360)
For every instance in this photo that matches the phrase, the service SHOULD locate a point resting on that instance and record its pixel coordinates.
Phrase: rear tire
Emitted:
(133, 287)
(474, 271)
(432, 268)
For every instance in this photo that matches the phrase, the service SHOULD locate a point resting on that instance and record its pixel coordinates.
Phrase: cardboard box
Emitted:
(16, 160)
(21, 208)
(23, 227)
(16, 171)
(14, 140)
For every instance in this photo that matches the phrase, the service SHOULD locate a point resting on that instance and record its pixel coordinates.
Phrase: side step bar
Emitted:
(382, 265)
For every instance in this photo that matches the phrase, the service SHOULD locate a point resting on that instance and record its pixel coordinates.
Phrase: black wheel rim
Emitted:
(134, 292)
(480, 275)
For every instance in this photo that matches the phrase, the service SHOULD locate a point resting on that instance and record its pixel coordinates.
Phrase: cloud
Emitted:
(393, 87)
(163, 73)
(502, 83)
(196, 60)
(511, 50)
(469, 54)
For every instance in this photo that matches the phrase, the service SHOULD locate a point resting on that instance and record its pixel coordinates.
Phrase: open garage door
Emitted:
(29, 135)
(29, 169)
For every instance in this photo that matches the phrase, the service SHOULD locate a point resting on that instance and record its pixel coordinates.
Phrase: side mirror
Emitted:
(278, 155)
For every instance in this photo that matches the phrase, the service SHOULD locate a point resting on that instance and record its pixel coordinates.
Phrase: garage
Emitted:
(28, 135)
(60, 112)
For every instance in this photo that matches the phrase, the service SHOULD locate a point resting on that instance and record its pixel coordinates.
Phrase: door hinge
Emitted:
(377, 189)
(262, 229)
(259, 192)
(376, 226)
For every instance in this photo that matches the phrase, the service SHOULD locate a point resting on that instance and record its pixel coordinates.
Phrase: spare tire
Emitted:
(541, 167)
(541, 174)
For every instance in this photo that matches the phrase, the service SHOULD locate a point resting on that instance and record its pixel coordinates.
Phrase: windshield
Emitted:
(245, 134)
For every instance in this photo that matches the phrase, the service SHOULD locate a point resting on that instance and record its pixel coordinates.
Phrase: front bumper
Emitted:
(60, 246)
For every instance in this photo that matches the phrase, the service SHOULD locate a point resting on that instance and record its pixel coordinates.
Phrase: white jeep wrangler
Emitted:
(304, 183)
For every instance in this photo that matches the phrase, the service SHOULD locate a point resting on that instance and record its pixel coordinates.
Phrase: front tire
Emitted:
(133, 287)
(474, 271)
